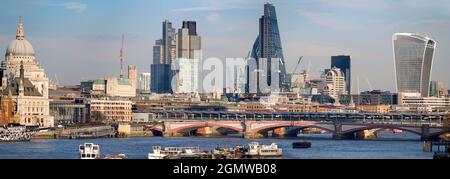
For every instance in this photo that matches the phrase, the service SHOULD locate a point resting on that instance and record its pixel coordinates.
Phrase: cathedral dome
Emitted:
(20, 46)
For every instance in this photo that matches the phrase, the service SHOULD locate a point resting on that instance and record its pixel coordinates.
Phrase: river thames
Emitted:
(138, 148)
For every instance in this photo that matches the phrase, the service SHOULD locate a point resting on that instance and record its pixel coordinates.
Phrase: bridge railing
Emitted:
(411, 119)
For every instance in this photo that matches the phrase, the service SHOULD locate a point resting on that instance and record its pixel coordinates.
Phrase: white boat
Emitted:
(157, 153)
(89, 151)
(255, 150)
(15, 134)
(174, 152)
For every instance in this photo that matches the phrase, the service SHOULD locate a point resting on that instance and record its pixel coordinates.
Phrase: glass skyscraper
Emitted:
(168, 42)
(161, 78)
(268, 45)
(413, 55)
(343, 62)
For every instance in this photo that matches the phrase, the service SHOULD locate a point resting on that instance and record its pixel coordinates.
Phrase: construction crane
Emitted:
(298, 63)
(294, 72)
(121, 58)
(370, 84)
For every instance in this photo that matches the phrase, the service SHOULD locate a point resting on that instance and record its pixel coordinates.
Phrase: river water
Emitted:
(138, 148)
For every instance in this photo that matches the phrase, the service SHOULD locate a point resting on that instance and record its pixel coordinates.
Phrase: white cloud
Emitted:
(200, 8)
(328, 20)
(78, 7)
(363, 5)
(215, 6)
(212, 17)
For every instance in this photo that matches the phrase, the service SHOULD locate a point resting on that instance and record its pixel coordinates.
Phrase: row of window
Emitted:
(118, 118)
(33, 103)
(33, 109)
(28, 120)
(110, 108)
(110, 103)
(116, 112)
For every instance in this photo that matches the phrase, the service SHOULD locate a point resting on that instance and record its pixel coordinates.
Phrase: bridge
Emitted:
(257, 125)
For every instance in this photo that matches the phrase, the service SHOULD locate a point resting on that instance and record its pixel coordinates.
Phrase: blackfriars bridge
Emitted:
(258, 124)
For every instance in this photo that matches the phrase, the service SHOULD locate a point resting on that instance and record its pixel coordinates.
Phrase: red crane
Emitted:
(121, 58)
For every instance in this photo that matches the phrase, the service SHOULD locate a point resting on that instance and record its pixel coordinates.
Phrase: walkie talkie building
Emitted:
(413, 55)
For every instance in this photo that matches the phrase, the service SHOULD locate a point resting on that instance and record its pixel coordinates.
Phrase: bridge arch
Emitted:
(301, 125)
(318, 127)
(155, 130)
(195, 126)
(370, 127)
(437, 134)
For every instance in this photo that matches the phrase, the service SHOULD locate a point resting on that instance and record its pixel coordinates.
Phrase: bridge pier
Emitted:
(425, 135)
(337, 134)
(366, 134)
(251, 135)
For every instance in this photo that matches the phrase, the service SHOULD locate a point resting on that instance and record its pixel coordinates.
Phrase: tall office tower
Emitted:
(189, 44)
(191, 25)
(158, 56)
(168, 42)
(164, 55)
(144, 82)
(268, 45)
(132, 75)
(413, 55)
(161, 78)
(441, 89)
(344, 63)
(434, 89)
(188, 76)
(189, 53)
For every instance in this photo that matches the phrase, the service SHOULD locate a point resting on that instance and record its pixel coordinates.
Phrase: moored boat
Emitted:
(89, 151)
(255, 150)
(15, 133)
(116, 156)
(178, 153)
(301, 145)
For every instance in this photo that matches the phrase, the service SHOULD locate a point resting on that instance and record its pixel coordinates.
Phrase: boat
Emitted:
(177, 153)
(89, 151)
(157, 153)
(255, 150)
(301, 145)
(115, 156)
(236, 152)
(15, 133)
(397, 131)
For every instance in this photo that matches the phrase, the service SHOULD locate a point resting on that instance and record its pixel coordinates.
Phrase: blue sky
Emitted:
(80, 39)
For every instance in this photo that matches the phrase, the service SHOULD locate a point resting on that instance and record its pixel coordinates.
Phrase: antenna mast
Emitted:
(121, 58)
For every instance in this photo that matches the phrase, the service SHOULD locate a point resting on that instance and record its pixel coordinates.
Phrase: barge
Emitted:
(254, 150)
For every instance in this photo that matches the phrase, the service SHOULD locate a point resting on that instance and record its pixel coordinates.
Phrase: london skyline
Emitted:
(84, 37)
